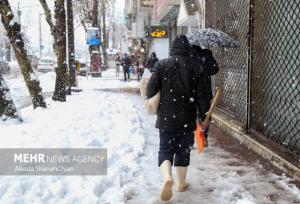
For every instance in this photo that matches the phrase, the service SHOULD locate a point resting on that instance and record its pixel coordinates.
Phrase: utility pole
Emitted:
(40, 37)
(19, 13)
(114, 27)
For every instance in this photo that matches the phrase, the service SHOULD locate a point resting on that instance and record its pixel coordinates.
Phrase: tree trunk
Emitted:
(60, 41)
(58, 31)
(14, 34)
(8, 51)
(48, 16)
(71, 47)
(95, 23)
(104, 44)
(95, 12)
(7, 106)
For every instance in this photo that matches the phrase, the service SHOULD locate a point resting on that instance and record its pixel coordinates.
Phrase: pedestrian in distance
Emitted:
(180, 81)
(205, 59)
(126, 63)
(136, 66)
(140, 72)
(118, 64)
(151, 61)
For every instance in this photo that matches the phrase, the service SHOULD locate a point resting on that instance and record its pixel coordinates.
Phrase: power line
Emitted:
(32, 6)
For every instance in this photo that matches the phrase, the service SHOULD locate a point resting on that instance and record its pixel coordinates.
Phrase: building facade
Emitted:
(165, 13)
(138, 21)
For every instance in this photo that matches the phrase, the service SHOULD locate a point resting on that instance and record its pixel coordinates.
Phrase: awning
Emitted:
(188, 13)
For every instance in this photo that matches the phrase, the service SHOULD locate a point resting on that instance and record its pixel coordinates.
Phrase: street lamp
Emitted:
(40, 37)
(19, 13)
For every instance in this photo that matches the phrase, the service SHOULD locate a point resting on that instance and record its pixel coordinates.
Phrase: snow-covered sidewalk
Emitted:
(21, 96)
(118, 122)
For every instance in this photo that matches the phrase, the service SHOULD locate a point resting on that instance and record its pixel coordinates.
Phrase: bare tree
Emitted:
(84, 12)
(88, 12)
(58, 31)
(88, 15)
(7, 106)
(112, 25)
(95, 13)
(105, 40)
(71, 43)
(14, 34)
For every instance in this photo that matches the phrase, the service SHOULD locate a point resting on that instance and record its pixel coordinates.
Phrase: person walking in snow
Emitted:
(140, 72)
(180, 82)
(126, 63)
(118, 64)
(205, 59)
(151, 61)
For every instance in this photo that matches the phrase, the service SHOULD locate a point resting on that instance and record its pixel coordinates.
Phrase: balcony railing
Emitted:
(162, 7)
(146, 3)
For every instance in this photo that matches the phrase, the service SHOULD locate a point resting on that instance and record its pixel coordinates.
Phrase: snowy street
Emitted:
(97, 117)
(85, 83)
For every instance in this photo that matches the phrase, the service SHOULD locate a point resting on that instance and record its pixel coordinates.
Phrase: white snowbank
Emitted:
(89, 119)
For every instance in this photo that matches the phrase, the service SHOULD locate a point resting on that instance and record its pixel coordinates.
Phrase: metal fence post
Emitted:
(249, 71)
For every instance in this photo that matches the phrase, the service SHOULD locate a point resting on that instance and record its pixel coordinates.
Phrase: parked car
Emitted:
(34, 61)
(46, 65)
(83, 69)
(4, 67)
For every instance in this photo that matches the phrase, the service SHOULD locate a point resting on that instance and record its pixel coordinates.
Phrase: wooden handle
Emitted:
(212, 108)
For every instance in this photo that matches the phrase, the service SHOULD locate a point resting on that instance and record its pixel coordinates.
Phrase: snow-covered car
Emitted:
(83, 69)
(46, 65)
(4, 67)
(34, 61)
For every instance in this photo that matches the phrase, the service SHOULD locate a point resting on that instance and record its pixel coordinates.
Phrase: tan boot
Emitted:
(166, 193)
(181, 184)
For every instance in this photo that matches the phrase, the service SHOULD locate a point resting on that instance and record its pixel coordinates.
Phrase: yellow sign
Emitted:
(159, 34)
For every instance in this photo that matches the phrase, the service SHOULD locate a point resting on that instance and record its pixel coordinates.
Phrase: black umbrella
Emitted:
(211, 38)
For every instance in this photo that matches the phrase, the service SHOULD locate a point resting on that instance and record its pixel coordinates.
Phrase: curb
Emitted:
(121, 90)
(236, 131)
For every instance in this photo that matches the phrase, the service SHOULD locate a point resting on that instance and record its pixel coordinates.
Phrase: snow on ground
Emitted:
(118, 122)
(218, 177)
(108, 81)
(89, 119)
(20, 93)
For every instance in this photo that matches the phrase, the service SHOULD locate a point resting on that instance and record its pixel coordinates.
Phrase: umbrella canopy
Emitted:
(211, 38)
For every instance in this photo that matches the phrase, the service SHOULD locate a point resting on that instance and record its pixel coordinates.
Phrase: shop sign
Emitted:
(159, 32)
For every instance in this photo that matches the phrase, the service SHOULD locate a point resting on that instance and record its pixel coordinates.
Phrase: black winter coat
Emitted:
(126, 63)
(180, 81)
(151, 62)
(204, 58)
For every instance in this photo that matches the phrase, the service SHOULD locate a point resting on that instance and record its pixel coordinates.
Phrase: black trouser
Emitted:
(126, 74)
(140, 75)
(117, 70)
(175, 146)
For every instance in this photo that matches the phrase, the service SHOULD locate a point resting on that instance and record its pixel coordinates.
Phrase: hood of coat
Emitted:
(180, 46)
(153, 55)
